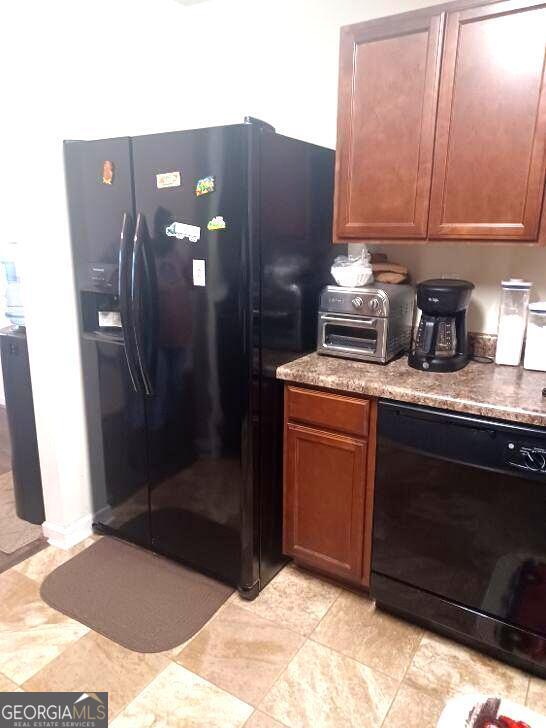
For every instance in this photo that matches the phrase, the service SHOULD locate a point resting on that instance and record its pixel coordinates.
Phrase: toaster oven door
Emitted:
(354, 337)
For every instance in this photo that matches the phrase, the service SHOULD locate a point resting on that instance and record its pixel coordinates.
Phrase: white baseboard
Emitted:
(64, 537)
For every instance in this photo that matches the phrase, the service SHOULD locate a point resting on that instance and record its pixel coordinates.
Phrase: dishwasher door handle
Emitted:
(442, 419)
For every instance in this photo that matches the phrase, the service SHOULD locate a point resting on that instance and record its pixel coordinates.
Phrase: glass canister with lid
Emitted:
(514, 303)
(535, 344)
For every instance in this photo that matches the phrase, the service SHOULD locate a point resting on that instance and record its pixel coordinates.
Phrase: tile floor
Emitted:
(15, 533)
(305, 653)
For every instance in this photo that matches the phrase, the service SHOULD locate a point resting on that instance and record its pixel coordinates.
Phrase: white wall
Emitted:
(75, 69)
(484, 265)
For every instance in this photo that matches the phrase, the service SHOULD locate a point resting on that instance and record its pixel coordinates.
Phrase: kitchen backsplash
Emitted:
(485, 265)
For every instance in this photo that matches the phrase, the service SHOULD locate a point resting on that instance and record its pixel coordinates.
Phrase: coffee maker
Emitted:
(440, 343)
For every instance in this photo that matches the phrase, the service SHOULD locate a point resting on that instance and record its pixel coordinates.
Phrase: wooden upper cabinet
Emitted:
(388, 88)
(489, 162)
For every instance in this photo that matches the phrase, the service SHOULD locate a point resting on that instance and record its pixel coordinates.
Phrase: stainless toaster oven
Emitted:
(372, 323)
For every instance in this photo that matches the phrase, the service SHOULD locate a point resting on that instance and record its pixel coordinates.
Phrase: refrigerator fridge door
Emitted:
(294, 214)
(193, 316)
(99, 188)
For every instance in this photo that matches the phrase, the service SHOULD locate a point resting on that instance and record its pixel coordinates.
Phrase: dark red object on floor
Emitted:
(509, 723)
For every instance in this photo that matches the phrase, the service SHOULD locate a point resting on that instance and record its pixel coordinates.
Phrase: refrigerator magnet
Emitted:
(199, 278)
(181, 230)
(217, 223)
(204, 186)
(107, 172)
(168, 179)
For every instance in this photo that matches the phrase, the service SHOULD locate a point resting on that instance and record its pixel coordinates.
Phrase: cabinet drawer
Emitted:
(332, 411)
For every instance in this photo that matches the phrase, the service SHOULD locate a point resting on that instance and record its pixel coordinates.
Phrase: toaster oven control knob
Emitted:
(374, 303)
(357, 302)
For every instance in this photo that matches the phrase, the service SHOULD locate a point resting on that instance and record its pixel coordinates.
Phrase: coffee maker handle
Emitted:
(429, 343)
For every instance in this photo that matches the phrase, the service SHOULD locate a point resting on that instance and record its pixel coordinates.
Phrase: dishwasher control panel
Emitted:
(526, 457)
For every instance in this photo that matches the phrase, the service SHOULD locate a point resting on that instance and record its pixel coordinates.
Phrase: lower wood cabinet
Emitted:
(328, 482)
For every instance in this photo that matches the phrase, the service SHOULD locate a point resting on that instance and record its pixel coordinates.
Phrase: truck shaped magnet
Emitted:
(180, 230)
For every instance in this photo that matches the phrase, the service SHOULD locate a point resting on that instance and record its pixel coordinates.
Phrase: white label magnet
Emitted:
(180, 230)
(199, 273)
(168, 179)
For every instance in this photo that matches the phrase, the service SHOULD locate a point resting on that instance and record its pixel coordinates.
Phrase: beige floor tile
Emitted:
(7, 686)
(443, 668)
(536, 698)
(241, 652)
(14, 532)
(388, 644)
(261, 720)
(37, 567)
(173, 654)
(177, 698)
(95, 664)
(413, 709)
(345, 618)
(322, 688)
(31, 633)
(294, 599)
(354, 627)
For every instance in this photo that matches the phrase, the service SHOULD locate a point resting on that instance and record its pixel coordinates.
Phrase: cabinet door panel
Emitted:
(489, 159)
(324, 500)
(388, 87)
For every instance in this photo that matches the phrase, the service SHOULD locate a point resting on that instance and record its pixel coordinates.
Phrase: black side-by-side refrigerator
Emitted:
(199, 258)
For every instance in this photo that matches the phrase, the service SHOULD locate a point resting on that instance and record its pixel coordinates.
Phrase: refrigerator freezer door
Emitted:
(100, 195)
(122, 419)
(197, 347)
(99, 187)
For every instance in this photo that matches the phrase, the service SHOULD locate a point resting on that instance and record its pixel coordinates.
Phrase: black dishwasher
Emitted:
(459, 539)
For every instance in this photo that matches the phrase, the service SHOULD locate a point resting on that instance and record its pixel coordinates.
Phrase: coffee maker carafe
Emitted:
(440, 343)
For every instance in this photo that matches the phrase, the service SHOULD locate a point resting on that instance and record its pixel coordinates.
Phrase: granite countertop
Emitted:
(502, 392)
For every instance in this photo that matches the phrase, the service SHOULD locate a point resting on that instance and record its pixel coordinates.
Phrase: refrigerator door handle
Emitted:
(136, 292)
(152, 318)
(123, 280)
